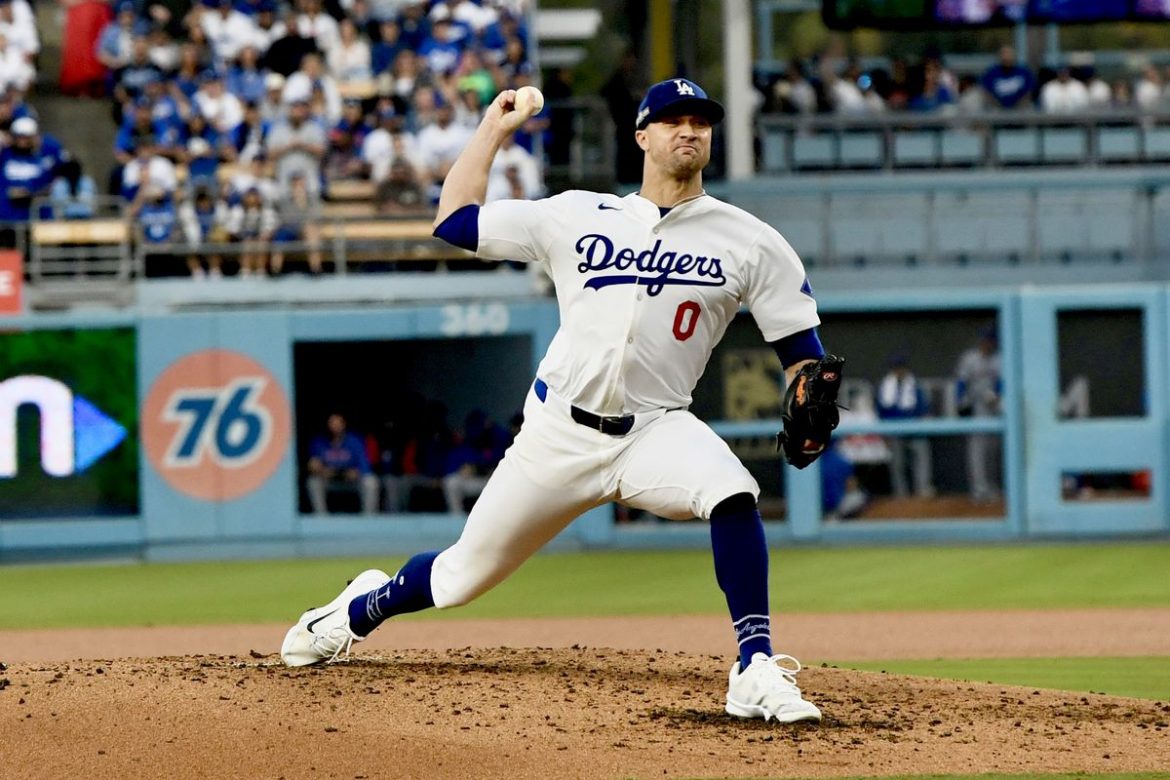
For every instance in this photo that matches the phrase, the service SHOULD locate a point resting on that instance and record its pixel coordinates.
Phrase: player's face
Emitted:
(678, 145)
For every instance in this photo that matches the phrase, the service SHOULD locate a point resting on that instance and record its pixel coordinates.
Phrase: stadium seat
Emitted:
(1017, 146)
(775, 149)
(803, 225)
(1157, 145)
(352, 189)
(1062, 228)
(861, 150)
(360, 90)
(348, 209)
(387, 240)
(814, 151)
(961, 147)
(1065, 145)
(60, 249)
(83, 231)
(992, 226)
(1113, 220)
(380, 230)
(1118, 144)
(915, 148)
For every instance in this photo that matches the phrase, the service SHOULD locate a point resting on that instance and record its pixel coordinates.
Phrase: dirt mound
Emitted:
(533, 713)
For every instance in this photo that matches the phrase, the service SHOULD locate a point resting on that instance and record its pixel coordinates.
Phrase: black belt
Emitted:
(611, 426)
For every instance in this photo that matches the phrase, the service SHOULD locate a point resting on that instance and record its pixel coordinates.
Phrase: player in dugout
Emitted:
(646, 284)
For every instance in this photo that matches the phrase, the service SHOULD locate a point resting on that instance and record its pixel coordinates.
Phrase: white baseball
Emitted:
(529, 101)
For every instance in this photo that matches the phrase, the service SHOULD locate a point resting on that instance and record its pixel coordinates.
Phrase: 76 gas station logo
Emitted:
(225, 424)
(216, 425)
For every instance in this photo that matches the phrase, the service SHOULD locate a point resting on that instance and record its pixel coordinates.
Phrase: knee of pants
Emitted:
(737, 504)
(459, 575)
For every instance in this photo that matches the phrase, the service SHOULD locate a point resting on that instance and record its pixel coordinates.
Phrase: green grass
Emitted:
(1061, 776)
(609, 583)
(1145, 677)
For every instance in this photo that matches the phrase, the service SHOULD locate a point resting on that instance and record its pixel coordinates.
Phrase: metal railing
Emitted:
(992, 139)
(1006, 218)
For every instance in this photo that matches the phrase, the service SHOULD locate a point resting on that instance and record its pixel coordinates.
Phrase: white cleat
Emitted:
(323, 634)
(767, 689)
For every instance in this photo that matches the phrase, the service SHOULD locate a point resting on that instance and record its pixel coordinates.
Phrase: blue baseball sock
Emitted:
(407, 591)
(741, 568)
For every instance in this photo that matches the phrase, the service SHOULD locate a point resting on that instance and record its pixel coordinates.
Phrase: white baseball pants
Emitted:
(670, 464)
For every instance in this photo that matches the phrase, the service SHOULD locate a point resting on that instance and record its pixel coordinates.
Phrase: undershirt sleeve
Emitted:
(805, 345)
(461, 228)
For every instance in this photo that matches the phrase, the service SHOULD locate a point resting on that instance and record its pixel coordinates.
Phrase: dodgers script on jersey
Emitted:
(645, 298)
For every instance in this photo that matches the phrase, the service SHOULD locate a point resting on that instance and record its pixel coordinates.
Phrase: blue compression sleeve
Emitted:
(805, 345)
(461, 228)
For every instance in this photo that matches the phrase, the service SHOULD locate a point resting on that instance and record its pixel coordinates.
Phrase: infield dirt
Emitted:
(572, 712)
(528, 713)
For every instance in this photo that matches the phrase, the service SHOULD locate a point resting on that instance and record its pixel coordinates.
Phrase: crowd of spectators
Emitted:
(33, 164)
(840, 86)
(410, 463)
(237, 117)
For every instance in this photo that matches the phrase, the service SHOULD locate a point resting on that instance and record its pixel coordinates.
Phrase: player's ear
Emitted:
(642, 139)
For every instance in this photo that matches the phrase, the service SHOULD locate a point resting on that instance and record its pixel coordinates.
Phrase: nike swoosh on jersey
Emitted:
(318, 620)
(607, 207)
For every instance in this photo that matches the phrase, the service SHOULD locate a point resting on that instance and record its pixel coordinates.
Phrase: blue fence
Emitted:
(218, 426)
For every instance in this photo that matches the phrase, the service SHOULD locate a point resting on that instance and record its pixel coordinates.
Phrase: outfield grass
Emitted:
(607, 583)
(1062, 776)
(1146, 678)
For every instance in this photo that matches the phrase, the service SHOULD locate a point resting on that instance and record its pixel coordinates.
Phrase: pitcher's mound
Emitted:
(534, 713)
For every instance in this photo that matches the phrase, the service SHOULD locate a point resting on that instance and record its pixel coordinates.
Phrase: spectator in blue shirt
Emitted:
(157, 218)
(114, 43)
(413, 25)
(251, 136)
(935, 94)
(1009, 84)
(155, 212)
(130, 82)
(165, 110)
(140, 128)
(338, 461)
(187, 79)
(383, 52)
(442, 49)
(27, 168)
(245, 79)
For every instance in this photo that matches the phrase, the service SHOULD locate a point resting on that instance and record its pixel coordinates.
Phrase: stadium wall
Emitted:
(189, 431)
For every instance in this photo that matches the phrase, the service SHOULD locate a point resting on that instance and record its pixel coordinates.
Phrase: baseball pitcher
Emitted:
(646, 286)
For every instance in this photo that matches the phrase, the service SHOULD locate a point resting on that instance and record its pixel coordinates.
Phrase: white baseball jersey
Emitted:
(644, 298)
(643, 301)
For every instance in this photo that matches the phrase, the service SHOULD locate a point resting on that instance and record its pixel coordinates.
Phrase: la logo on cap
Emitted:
(684, 88)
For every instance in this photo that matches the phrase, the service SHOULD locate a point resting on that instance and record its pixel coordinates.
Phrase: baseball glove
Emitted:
(810, 411)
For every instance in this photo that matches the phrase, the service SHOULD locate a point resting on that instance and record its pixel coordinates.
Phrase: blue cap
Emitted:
(673, 97)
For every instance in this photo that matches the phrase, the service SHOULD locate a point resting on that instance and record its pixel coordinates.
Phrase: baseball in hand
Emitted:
(529, 101)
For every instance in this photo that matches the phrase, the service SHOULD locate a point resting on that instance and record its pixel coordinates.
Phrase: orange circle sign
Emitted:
(215, 425)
